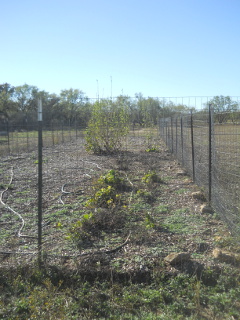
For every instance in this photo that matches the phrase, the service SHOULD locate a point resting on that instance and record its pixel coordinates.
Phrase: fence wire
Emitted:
(209, 150)
(69, 173)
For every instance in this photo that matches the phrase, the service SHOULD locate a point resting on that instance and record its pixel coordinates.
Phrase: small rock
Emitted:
(174, 258)
(225, 256)
(206, 209)
(198, 195)
(181, 173)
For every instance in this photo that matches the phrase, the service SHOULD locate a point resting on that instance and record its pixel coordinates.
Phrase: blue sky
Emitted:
(160, 48)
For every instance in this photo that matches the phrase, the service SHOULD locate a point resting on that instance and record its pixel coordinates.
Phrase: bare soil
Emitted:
(132, 238)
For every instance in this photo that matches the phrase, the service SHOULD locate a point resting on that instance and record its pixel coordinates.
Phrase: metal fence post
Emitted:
(26, 121)
(176, 135)
(166, 131)
(40, 182)
(8, 132)
(210, 121)
(192, 146)
(62, 133)
(182, 137)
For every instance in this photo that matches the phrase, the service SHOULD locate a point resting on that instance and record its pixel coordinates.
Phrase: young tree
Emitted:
(108, 126)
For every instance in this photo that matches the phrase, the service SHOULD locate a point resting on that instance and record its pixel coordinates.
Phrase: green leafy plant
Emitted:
(152, 149)
(104, 197)
(106, 190)
(149, 221)
(78, 233)
(112, 178)
(162, 209)
(151, 177)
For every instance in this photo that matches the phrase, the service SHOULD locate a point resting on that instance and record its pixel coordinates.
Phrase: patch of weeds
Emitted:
(180, 222)
(151, 177)
(152, 149)
(106, 191)
(225, 240)
(44, 161)
(79, 231)
(162, 209)
(94, 225)
(7, 186)
(223, 294)
(181, 211)
(181, 191)
(23, 192)
(145, 195)
(64, 211)
(104, 197)
(149, 221)
(138, 207)
(111, 178)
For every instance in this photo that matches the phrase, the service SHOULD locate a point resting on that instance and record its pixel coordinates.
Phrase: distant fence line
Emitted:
(210, 152)
(15, 139)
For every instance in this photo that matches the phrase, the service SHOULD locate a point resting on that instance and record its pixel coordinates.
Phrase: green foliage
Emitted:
(145, 195)
(108, 126)
(151, 177)
(149, 221)
(224, 107)
(78, 232)
(180, 221)
(152, 149)
(104, 197)
(151, 142)
(162, 209)
(105, 190)
(28, 293)
(112, 178)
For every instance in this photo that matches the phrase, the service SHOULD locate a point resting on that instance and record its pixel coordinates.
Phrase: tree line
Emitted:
(18, 106)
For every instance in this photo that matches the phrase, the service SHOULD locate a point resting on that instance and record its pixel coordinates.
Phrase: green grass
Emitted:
(182, 222)
(27, 141)
(49, 294)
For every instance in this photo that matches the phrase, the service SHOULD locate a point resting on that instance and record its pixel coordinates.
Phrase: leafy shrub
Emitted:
(112, 178)
(108, 125)
(104, 197)
(105, 190)
(93, 225)
(79, 231)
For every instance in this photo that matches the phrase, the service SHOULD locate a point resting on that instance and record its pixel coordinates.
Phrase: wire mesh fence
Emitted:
(67, 177)
(18, 139)
(209, 150)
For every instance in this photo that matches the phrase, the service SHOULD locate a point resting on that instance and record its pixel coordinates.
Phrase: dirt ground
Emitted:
(161, 218)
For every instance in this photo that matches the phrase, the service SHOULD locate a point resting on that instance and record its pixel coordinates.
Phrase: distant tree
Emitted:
(223, 107)
(7, 105)
(72, 102)
(51, 110)
(25, 97)
(149, 110)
